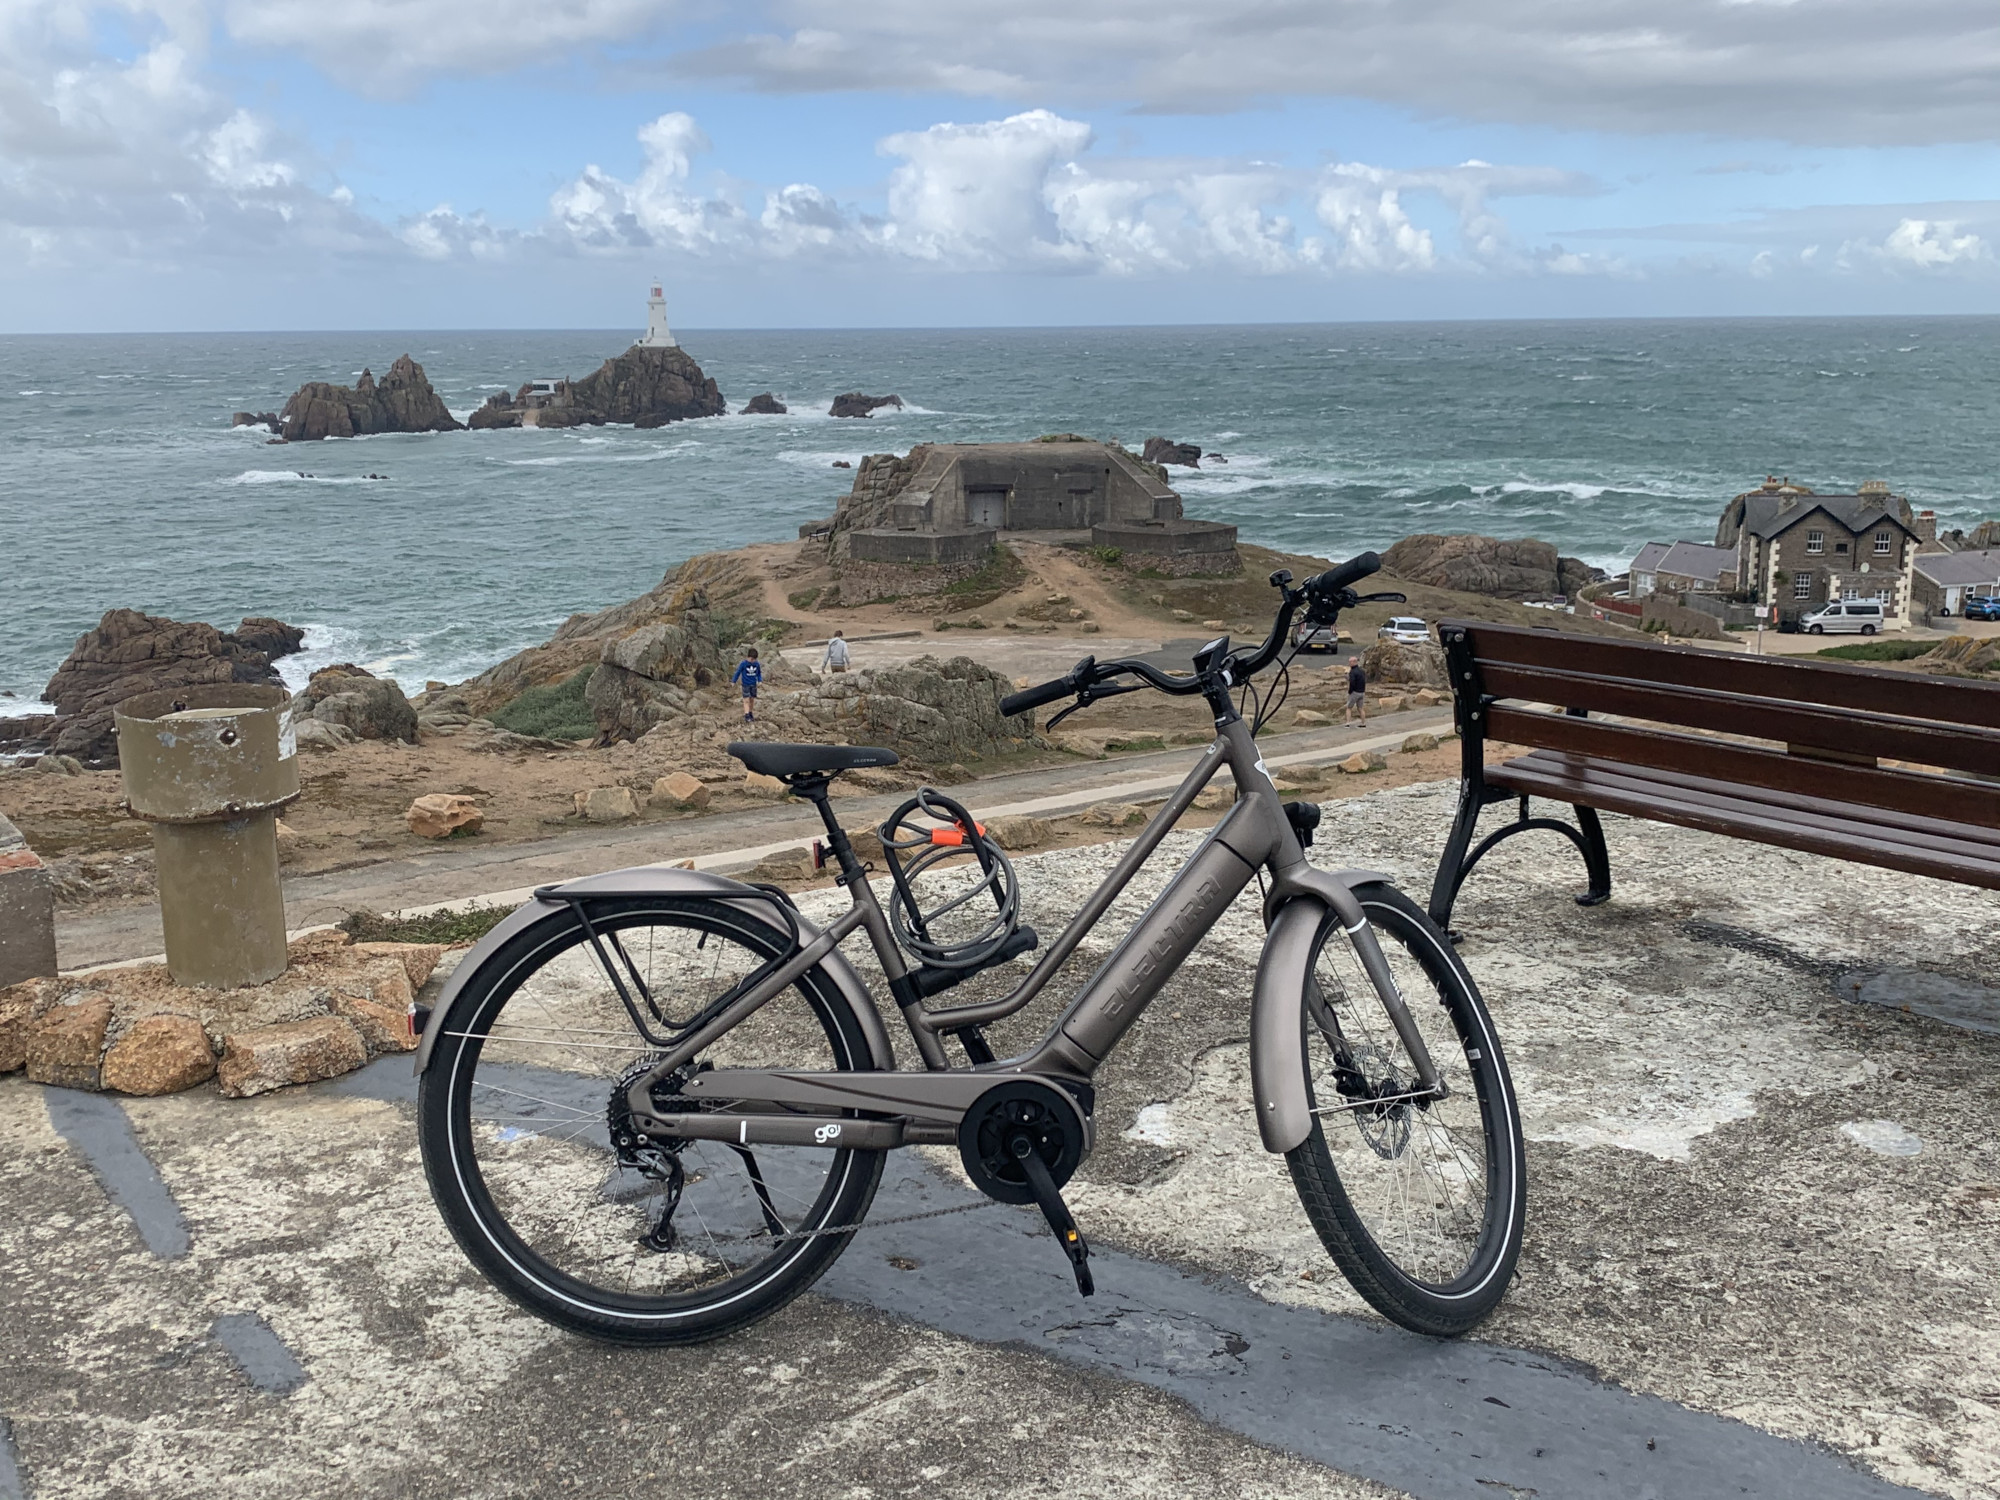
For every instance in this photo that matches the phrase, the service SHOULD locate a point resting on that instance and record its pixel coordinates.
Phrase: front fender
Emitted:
(653, 880)
(1277, 1034)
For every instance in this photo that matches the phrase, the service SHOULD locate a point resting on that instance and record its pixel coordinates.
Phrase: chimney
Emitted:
(1926, 527)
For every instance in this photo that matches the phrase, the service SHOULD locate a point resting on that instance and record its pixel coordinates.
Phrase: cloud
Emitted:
(104, 159)
(1927, 245)
(1818, 71)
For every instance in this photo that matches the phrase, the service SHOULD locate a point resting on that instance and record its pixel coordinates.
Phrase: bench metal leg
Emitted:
(1456, 865)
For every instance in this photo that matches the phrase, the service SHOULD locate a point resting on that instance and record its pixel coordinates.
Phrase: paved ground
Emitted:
(1761, 1258)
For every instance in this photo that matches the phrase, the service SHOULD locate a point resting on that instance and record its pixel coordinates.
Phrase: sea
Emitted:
(433, 556)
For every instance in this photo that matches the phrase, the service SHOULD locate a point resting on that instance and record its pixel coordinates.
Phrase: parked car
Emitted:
(1981, 607)
(1863, 616)
(1321, 638)
(1404, 630)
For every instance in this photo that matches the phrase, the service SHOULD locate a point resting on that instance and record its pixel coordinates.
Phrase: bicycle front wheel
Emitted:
(1421, 1201)
(526, 1140)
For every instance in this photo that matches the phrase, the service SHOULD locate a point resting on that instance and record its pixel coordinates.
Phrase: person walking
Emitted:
(835, 659)
(748, 675)
(1357, 690)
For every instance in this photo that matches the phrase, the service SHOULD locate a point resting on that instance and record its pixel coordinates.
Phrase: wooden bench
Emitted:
(1817, 784)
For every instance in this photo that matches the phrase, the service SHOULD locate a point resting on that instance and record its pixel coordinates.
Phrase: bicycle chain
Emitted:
(813, 1234)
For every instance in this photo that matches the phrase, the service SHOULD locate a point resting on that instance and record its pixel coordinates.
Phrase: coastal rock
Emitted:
(1417, 743)
(439, 815)
(607, 804)
(272, 637)
(1361, 762)
(1523, 569)
(854, 404)
(764, 404)
(65, 1042)
(402, 401)
(1420, 665)
(373, 707)
(255, 419)
(1159, 450)
(313, 735)
(131, 653)
(646, 386)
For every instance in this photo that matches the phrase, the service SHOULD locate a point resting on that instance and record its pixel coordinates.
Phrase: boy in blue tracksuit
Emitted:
(748, 674)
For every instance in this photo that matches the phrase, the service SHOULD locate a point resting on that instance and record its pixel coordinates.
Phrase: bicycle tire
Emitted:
(1351, 1230)
(451, 1140)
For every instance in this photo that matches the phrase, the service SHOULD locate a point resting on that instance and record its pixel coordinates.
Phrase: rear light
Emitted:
(420, 1017)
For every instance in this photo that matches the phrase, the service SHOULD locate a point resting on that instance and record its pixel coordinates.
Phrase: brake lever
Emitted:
(1382, 599)
(1089, 696)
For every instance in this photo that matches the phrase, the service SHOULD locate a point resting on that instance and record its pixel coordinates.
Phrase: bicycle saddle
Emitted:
(805, 760)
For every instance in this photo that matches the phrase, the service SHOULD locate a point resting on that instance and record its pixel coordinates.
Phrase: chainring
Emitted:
(999, 1116)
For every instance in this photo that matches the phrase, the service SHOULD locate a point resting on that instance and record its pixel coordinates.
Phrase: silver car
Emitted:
(1404, 630)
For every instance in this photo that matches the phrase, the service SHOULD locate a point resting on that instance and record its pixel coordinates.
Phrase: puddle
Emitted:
(1883, 1137)
(1956, 1002)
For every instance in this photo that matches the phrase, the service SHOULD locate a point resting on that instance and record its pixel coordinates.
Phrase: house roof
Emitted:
(1766, 515)
(1697, 560)
(1958, 569)
(1648, 560)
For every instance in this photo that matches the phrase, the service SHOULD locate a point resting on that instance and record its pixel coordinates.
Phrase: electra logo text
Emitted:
(827, 1133)
(1149, 969)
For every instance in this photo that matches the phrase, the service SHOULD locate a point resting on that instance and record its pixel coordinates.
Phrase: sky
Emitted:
(299, 164)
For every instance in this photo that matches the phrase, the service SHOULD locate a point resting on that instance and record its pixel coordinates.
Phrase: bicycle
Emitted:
(653, 1104)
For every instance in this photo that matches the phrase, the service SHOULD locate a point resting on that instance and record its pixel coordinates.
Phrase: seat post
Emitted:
(813, 787)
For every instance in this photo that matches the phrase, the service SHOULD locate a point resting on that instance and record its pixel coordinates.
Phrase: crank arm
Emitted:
(1057, 1213)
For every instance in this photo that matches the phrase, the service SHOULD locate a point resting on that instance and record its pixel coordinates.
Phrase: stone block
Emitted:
(1305, 718)
(66, 1042)
(1114, 814)
(1417, 742)
(1016, 831)
(764, 786)
(17, 1012)
(439, 815)
(381, 1014)
(159, 1054)
(681, 790)
(1218, 793)
(1363, 761)
(607, 804)
(27, 911)
(417, 959)
(784, 865)
(264, 1058)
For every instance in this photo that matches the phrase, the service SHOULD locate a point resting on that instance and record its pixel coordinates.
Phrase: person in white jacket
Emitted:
(835, 659)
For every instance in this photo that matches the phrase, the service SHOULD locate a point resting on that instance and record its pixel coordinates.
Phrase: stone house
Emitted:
(1796, 549)
(1942, 580)
(1681, 568)
(947, 503)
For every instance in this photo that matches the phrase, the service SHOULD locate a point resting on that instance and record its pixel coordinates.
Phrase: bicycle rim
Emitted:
(524, 1097)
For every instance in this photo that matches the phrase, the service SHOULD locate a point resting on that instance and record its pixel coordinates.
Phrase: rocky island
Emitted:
(402, 401)
(647, 385)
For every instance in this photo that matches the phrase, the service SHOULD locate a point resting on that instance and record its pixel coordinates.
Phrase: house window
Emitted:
(1881, 544)
(1815, 541)
(1802, 585)
(1840, 546)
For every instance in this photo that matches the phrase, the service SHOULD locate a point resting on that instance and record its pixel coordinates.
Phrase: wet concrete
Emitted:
(259, 1353)
(97, 1126)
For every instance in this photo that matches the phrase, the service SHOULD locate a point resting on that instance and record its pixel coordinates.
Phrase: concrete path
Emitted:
(505, 874)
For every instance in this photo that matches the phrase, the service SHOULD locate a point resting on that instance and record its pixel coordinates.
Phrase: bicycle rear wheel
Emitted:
(1421, 1202)
(525, 1137)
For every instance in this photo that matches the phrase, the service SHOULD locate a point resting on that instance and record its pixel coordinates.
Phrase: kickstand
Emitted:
(1056, 1212)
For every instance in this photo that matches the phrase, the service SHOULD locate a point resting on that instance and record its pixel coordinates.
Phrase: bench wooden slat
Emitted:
(1718, 814)
(1854, 730)
(1826, 684)
(1939, 803)
(1755, 804)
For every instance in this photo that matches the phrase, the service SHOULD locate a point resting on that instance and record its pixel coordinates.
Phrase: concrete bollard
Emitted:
(27, 911)
(209, 767)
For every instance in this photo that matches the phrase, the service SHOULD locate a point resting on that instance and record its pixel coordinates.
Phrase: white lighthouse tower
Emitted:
(658, 335)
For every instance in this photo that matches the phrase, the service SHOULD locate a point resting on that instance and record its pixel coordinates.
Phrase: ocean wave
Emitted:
(555, 460)
(30, 393)
(21, 708)
(294, 476)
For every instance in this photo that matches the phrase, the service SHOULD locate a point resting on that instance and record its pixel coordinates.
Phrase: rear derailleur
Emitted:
(654, 1159)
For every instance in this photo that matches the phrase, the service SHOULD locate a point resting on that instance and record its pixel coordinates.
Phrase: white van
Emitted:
(1852, 615)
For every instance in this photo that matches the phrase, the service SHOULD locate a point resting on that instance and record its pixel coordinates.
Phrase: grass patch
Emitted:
(1146, 742)
(555, 711)
(440, 927)
(1109, 556)
(804, 598)
(1880, 650)
(1003, 572)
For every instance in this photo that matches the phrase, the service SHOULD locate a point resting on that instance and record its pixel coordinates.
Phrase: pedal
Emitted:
(1049, 1198)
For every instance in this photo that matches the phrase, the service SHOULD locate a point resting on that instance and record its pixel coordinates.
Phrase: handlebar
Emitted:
(1324, 595)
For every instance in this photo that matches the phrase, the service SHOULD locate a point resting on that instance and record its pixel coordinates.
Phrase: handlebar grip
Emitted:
(1346, 575)
(1035, 697)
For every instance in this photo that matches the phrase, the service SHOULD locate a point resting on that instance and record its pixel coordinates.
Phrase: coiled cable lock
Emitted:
(913, 848)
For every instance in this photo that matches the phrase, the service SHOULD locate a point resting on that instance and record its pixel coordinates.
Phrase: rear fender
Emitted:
(649, 880)
(1301, 900)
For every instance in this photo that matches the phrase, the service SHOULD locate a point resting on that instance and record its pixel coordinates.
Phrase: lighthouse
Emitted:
(658, 335)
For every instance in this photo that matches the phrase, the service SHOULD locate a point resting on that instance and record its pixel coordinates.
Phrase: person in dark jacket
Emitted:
(1357, 690)
(748, 675)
